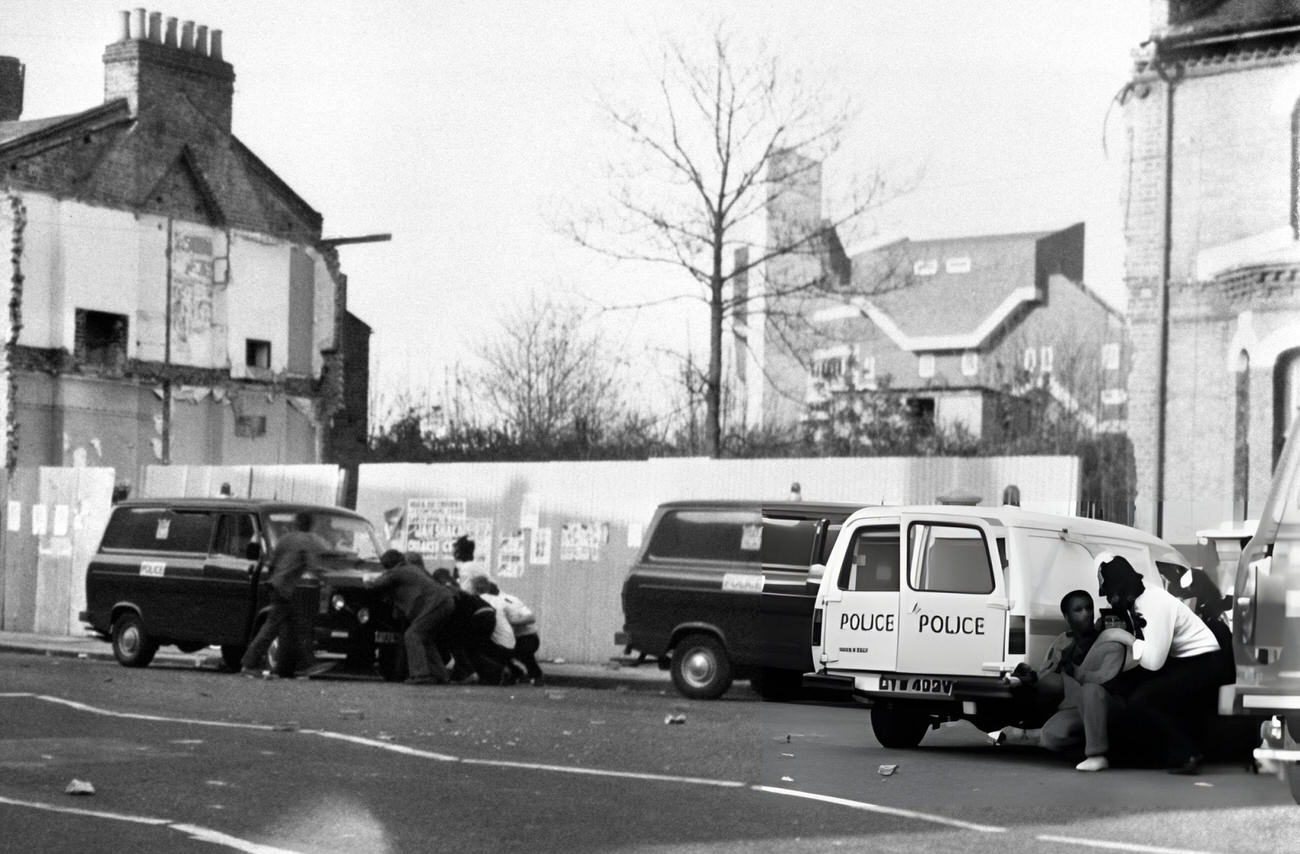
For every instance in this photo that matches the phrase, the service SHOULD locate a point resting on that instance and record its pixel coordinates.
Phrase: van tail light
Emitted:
(1016, 635)
(817, 627)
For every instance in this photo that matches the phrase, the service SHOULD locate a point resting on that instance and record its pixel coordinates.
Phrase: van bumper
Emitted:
(1259, 700)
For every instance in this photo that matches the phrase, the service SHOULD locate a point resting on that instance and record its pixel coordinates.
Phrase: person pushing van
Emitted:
(296, 551)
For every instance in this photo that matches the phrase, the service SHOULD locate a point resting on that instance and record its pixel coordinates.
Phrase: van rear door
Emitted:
(229, 579)
(860, 599)
(953, 606)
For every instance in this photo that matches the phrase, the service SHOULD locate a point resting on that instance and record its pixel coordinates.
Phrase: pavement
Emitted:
(612, 674)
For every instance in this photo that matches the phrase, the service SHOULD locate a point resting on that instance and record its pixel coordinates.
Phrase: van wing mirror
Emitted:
(253, 550)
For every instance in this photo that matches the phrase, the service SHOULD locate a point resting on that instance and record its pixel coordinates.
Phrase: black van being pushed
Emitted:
(719, 592)
(192, 572)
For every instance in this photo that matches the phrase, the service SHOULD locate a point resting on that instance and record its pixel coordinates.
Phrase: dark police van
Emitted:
(719, 592)
(192, 572)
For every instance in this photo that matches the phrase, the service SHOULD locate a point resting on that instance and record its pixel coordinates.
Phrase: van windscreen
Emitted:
(719, 535)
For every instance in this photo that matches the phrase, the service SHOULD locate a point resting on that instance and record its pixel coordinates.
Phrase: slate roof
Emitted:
(105, 156)
(953, 293)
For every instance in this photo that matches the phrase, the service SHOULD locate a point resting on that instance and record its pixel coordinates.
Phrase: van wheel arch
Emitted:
(132, 644)
(701, 668)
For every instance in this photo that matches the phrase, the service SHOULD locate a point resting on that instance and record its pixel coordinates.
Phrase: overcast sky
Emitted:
(459, 126)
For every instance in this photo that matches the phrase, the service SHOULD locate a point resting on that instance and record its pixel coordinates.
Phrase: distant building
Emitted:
(171, 297)
(1212, 216)
(984, 332)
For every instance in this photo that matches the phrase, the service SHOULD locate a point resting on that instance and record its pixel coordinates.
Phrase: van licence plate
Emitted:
(386, 637)
(934, 686)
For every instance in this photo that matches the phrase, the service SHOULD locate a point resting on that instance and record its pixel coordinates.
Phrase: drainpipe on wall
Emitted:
(1171, 74)
(167, 356)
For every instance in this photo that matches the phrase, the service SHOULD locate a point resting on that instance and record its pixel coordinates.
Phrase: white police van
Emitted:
(928, 608)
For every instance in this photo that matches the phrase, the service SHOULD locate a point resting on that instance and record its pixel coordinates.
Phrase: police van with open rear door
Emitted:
(927, 609)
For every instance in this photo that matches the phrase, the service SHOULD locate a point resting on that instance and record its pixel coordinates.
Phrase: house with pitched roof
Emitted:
(980, 334)
(171, 298)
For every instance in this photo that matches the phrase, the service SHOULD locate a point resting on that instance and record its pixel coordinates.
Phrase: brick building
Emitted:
(984, 332)
(1212, 207)
(172, 299)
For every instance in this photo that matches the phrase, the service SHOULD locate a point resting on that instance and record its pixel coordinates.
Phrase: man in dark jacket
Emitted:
(469, 633)
(427, 606)
(296, 551)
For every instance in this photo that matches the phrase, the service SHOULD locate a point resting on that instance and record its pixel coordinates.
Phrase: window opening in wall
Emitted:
(970, 363)
(250, 426)
(830, 369)
(1110, 357)
(921, 411)
(1045, 358)
(257, 354)
(925, 365)
(100, 338)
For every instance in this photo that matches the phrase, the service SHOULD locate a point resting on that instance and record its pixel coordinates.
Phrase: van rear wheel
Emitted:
(700, 667)
(898, 727)
(132, 646)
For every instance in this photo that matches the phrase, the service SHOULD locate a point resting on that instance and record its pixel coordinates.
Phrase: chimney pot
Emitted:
(170, 38)
(126, 25)
(215, 48)
(187, 35)
(155, 27)
(201, 39)
(141, 24)
(11, 89)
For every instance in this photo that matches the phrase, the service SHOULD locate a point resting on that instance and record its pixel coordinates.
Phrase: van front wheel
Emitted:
(700, 667)
(898, 727)
(132, 646)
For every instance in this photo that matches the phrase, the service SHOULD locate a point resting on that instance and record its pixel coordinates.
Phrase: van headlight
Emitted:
(363, 615)
(337, 602)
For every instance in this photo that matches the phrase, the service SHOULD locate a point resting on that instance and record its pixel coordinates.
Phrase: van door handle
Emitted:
(1000, 606)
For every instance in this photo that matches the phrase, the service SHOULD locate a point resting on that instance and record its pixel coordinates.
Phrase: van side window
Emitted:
(234, 533)
(720, 535)
(871, 562)
(185, 532)
(787, 543)
(948, 559)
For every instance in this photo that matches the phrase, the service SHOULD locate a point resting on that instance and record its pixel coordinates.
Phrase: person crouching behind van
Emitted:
(1046, 684)
(500, 646)
(1177, 654)
(426, 606)
(527, 640)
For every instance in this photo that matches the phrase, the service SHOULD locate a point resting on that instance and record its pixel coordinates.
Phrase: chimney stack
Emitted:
(12, 73)
(157, 69)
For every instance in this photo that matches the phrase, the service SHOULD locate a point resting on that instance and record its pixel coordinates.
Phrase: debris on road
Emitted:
(355, 714)
(79, 787)
(887, 770)
(675, 719)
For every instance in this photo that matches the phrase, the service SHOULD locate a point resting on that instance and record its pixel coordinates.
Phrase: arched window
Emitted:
(1241, 441)
(1286, 397)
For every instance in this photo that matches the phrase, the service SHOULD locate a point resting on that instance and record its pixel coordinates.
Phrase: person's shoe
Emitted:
(1189, 767)
(1093, 763)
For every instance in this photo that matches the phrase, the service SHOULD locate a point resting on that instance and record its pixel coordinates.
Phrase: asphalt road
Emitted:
(188, 760)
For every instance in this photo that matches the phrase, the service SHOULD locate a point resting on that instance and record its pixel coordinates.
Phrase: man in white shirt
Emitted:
(1174, 686)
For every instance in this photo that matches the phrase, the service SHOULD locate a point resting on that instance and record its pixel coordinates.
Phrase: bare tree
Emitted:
(733, 136)
(550, 376)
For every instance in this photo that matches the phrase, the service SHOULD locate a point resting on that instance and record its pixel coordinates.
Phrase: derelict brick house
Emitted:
(171, 298)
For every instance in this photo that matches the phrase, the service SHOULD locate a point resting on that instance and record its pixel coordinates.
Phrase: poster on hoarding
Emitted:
(510, 555)
(581, 541)
(432, 526)
(539, 554)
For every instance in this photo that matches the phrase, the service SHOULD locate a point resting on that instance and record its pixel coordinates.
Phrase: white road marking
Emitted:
(502, 763)
(1118, 846)
(602, 772)
(879, 808)
(202, 834)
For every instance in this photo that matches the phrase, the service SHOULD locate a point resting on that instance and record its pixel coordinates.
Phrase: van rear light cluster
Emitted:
(817, 627)
(1016, 635)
